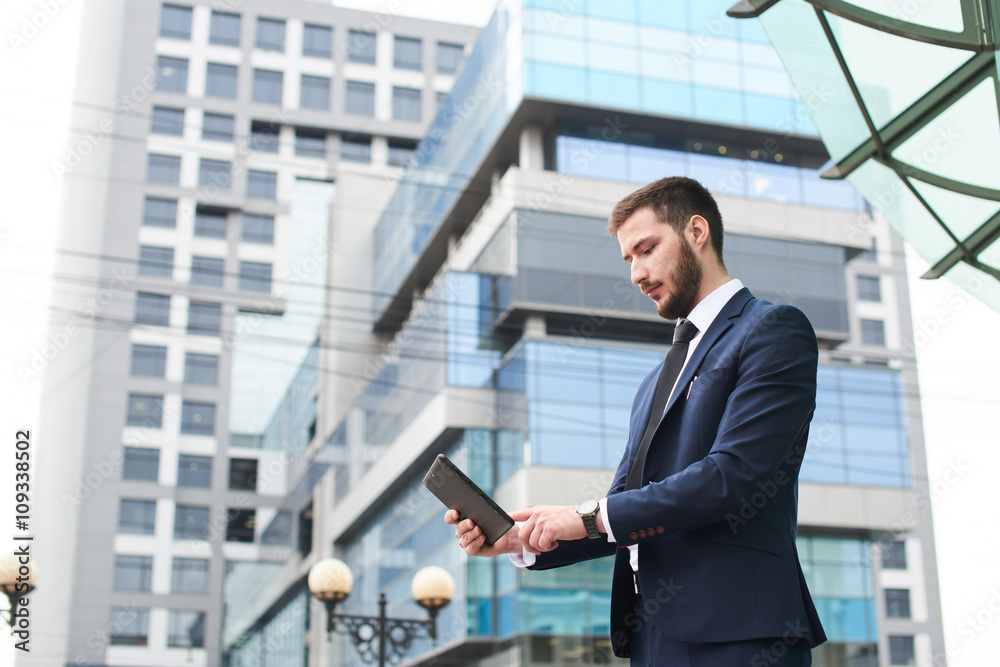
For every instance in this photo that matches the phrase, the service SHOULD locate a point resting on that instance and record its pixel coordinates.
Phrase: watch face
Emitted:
(588, 507)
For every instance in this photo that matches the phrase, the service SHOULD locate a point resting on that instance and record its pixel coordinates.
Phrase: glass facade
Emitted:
(281, 640)
(753, 173)
(570, 400)
(446, 157)
(858, 434)
(271, 383)
(634, 57)
(407, 535)
(641, 56)
(839, 574)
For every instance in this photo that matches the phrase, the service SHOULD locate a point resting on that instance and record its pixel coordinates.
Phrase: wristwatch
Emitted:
(588, 510)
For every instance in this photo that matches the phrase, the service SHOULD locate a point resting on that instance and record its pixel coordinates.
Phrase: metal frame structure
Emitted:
(981, 27)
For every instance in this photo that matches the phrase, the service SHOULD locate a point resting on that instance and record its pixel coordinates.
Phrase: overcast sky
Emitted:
(959, 363)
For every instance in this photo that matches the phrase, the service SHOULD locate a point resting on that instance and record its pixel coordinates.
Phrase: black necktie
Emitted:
(683, 333)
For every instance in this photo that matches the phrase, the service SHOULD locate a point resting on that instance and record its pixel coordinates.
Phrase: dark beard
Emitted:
(686, 279)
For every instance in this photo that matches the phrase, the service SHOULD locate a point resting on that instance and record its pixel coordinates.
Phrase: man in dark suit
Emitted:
(710, 576)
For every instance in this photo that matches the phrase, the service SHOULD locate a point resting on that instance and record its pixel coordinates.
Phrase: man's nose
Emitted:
(639, 274)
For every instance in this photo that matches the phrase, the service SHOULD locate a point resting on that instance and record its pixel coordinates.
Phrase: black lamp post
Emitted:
(380, 638)
(17, 579)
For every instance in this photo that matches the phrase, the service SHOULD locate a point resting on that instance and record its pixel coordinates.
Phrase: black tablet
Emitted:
(458, 492)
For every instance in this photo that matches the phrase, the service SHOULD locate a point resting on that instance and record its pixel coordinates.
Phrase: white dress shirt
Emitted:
(702, 316)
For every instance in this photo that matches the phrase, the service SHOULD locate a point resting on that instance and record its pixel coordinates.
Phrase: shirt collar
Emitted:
(709, 308)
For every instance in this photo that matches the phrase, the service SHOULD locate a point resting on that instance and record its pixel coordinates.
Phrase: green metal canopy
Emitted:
(906, 98)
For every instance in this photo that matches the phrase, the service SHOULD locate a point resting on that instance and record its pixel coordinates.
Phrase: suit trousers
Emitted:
(651, 648)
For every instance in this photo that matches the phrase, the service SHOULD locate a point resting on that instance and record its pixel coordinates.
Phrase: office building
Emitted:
(194, 252)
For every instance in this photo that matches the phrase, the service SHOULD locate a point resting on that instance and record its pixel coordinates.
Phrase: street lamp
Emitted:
(17, 579)
(330, 580)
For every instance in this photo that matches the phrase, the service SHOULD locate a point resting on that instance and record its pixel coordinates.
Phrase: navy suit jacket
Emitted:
(715, 518)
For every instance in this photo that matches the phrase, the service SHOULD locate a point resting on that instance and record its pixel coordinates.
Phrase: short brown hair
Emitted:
(673, 201)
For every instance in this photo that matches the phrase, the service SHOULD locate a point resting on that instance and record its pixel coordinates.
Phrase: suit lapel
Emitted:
(722, 323)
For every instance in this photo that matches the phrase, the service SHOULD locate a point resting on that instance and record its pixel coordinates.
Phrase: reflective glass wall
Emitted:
(724, 170)
(839, 574)
(858, 434)
(568, 261)
(683, 58)
(408, 534)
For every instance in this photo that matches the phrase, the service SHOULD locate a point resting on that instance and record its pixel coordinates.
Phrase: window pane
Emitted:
(267, 86)
(152, 309)
(214, 172)
(897, 602)
(240, 525)
(310, 144)
(314, 92)
(356, 149)
(901, 650)
(894, 555)
(359, 98)
(243, 474)
(401, 152)
(872, 332)
(270, 34)
(204, 318)
(264, 137)
(406, 53)
(167, 120)
(317, 41)
(191, 522)
(255, 276)
(194, 471)
(156, 261)
(869, 288)
(186, 629)
(141, 464)
(137, 517)
(262, 184)
(449, 57)
(207, 271)
(198, 418)
(164, 169)
(133, 573)
(189, 575)
(201, 368)
(405, 103)
(171, 74)
(210, 223)
(220, 81)
(129, 626)
(361, 47)
(145, 410)
(225, 29)
(258, 228)
(217, 127)
(160, 212)
(175, 22)
(149, 360)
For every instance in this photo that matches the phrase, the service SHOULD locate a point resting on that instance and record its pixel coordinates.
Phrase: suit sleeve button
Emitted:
(634, 536)
(642, 533)
(659, 529)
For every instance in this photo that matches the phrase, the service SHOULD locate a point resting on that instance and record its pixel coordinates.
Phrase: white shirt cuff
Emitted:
(603, 502)
(526, 559)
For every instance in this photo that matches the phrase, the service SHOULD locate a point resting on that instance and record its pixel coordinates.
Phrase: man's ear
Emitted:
(698, 233)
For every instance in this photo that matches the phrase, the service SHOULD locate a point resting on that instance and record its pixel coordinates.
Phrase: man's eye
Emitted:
(648, 250)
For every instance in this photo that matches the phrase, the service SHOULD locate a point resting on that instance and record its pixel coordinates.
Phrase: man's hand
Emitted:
(473, 541)
(545, 525)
